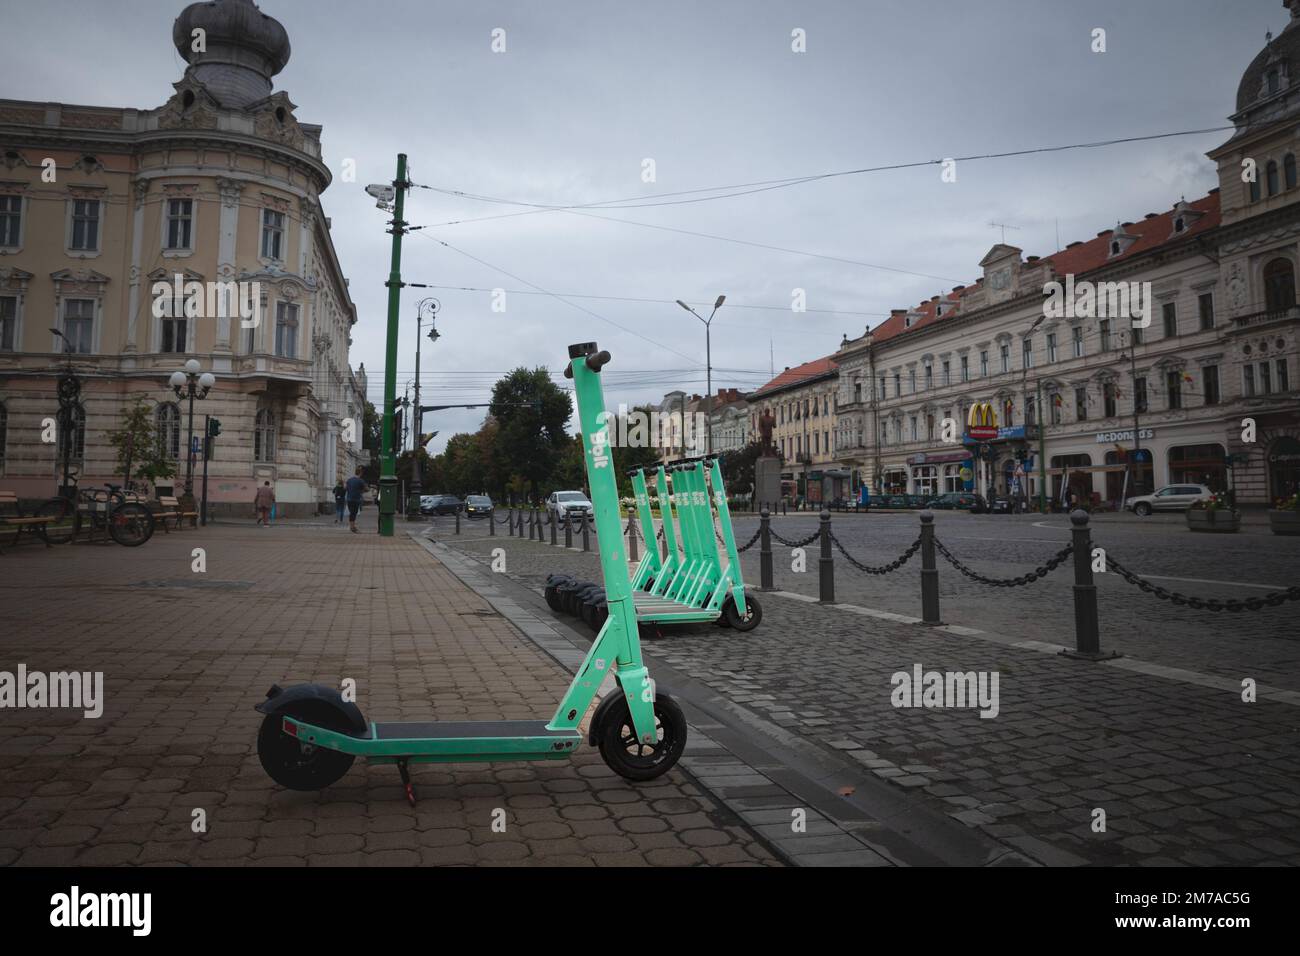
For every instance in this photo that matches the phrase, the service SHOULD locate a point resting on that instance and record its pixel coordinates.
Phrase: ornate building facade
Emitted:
(1203, 386)
(101, 208)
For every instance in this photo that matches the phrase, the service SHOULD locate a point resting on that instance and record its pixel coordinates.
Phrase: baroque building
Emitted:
(1106, 397)
(101, 208)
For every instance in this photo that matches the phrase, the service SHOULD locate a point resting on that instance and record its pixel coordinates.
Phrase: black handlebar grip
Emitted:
(597, 360)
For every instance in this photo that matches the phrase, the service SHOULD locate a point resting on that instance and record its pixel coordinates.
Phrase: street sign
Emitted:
(194, 444)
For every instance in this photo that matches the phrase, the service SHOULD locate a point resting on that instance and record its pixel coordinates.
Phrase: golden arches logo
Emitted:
(982, 415)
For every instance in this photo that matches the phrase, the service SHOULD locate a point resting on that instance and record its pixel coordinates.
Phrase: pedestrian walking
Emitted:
(353, 492)
(340, 501)
(263, 504)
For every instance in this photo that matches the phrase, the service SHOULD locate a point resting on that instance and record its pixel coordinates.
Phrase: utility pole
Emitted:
(387, 456)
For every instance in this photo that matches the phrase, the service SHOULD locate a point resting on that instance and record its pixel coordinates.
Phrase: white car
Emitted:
(1169, 498)
(574, 504)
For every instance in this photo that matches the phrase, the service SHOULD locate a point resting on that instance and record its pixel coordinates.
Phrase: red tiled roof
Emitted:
(1076, 259)
(798, 375)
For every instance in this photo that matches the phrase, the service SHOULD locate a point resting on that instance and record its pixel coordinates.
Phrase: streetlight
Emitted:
(1040, 413)
(708, 360)
(188, 383)
(69, 393)
(426, 308)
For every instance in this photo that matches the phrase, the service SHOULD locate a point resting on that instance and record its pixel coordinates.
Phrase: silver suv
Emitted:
(571, 503)
(1170, 498)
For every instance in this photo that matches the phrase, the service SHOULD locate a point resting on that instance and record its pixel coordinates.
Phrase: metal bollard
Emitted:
(631, 541)
(929, 572)
(541, 531)
(785, 510)
(568, 531)
(458, 521)
(492, 523)
(1087, 636)
(586, 533)
(826, 564)
(510, 523)
(765, 550)
(532, 524)
(552, 517)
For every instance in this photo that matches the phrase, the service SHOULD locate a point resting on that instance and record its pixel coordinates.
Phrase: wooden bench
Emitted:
(17, 521)
(171, 508)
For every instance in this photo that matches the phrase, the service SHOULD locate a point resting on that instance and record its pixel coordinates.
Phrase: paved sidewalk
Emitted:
(1185, 771)
(185, 657)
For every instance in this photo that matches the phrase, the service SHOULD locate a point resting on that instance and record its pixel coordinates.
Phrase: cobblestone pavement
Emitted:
(185, 657)
(1185, 773)
(1264, 645)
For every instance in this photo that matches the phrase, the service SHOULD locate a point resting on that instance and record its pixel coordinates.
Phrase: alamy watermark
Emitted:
(208, 300)
(57, 689)
(636, 428)
(948, 689)
(1098, 300)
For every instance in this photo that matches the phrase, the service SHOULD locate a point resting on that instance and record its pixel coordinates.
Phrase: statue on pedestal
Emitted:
(766, 423)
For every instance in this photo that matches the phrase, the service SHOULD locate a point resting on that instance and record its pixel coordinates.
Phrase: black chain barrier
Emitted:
(894, 565)
(752, 541)
(1272, 599)
(1040, 572)
(797, 544)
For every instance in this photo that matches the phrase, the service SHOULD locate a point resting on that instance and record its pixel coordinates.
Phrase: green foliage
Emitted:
(530, 412)
(137, 441)
(738, 468)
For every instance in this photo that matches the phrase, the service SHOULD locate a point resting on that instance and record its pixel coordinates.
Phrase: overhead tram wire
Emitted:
(571, 305)
(636, 202)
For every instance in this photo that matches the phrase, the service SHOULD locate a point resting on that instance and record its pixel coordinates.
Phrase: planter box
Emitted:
(1284, 522)
(1220, 520)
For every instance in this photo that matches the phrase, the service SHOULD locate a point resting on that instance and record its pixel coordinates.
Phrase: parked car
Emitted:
(958, 501)
(574, 504)
(478, 506)
(1002, 505)
(1169, 498)
(439, 504)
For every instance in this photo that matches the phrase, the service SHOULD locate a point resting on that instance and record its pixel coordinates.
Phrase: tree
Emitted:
(531, 414)
(638, 450)
(371, 431)
(139, 445)
(738, 468)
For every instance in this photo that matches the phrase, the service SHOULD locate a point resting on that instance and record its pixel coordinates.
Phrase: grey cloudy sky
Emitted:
(714, 95)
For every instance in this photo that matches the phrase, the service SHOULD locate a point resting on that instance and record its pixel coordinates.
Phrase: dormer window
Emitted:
(1180, 224)
(1272, 81)
(1288, 170)
(1114, 248)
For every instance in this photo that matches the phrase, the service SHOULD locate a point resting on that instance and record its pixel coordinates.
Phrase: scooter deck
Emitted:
(650, 607)
(450, 741)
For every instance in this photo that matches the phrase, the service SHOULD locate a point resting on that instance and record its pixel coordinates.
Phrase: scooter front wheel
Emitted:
(629, 757)
(753, 614)
(297, 765)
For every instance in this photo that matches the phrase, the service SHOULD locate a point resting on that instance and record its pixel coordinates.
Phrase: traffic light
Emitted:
(214, 427)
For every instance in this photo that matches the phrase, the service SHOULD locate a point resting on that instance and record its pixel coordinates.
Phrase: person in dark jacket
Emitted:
(340, 500)
(355, 488)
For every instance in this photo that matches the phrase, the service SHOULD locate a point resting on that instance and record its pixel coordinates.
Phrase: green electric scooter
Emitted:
(310, 736)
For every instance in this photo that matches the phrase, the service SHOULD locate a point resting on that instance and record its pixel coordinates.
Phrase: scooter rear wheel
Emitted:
(627, 756)
(296, 765)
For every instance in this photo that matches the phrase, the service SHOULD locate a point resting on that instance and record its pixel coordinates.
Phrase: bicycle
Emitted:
(129, 522)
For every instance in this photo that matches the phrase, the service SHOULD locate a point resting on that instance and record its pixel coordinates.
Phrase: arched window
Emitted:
(1254, 189)
(1288, 170)
(1279, 285)
(1270, 176)
(264, 436)
(168, 424)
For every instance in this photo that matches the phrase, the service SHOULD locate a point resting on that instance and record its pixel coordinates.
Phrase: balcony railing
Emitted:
(1267, 317)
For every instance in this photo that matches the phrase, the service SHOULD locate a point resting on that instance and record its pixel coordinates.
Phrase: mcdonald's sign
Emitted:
(982, 422)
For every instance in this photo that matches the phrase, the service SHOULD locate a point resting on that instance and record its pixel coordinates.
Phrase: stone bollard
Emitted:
(765, 550)
(568, 531)
(552, 517)
(929, 572)
(631, 541)
(826, 564)
(586, 533)
(1087, 630)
